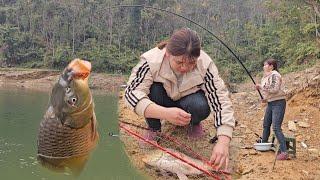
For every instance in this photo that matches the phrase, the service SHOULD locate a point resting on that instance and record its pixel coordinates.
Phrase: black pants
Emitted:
(196, 104)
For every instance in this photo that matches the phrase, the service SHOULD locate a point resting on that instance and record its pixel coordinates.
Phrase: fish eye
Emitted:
(74, 100)
(68, 89)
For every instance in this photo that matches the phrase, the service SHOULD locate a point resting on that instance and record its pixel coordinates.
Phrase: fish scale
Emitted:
(53, 136)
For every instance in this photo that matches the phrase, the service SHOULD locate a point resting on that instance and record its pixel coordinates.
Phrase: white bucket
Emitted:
(262, 146)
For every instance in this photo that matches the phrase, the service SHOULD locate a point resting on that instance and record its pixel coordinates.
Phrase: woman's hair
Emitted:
(183, 42)
(272, 62)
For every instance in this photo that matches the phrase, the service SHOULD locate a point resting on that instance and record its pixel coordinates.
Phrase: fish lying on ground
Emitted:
(68, 131)
(165, 161)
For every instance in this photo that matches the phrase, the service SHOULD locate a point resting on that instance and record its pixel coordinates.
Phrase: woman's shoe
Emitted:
(195, 131)
(282, 156)
(150, 136)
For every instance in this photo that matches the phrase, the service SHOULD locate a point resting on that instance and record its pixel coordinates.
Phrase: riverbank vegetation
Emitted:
(48, 34)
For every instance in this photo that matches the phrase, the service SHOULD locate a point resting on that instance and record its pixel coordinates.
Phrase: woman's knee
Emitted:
(199, 110)
(197, 105)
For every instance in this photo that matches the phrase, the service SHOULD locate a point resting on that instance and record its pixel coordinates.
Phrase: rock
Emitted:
(239, 137)
(244, 154)
(246, 147)
(248, 131)
(243, 126)
(302, 110)
(304, 145)
(253, 152)
(308, 137)
(303, 124)
(123, 86)
(263, 169)
(299, 138)
(292, 126)
(316, 78)
(305, 172)
(296, 120)
(212, 134)
(247, 171)
(314, 151)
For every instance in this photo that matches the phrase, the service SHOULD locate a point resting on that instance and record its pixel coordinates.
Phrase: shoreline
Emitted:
(42, 80)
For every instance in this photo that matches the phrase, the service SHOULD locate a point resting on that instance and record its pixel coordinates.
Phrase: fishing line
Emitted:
(199, 25)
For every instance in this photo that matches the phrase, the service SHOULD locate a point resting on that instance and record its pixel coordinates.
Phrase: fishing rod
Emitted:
(199, 25)
(211, 141)
(171, 139)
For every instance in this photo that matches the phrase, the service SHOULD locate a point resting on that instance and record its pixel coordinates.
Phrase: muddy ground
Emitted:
(246, 163)
(303, 105)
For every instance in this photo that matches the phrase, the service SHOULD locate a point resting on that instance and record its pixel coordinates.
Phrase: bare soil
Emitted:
(303, 104)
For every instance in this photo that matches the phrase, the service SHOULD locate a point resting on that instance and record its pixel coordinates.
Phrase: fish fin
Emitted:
(182, 176)
(93, 127)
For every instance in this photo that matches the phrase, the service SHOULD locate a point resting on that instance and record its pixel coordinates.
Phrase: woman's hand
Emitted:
(174, 115)
(220, 153)
(177, 116)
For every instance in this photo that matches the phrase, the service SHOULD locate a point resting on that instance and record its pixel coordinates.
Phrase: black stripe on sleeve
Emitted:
(140, 75)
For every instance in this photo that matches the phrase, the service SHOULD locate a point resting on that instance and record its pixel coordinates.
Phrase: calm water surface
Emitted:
(20, 115)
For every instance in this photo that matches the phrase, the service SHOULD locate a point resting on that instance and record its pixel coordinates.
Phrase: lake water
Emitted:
(20, 115)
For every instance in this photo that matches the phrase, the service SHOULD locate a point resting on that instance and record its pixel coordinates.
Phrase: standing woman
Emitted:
(178, 82)
(271, 86)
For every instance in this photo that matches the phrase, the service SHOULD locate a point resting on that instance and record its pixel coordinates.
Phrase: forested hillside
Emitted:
(49, 33)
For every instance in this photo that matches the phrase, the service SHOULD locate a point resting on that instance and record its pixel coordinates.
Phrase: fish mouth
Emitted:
(80, 68)
(72, 102)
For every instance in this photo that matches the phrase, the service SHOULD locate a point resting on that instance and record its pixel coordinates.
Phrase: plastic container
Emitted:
(262, 146)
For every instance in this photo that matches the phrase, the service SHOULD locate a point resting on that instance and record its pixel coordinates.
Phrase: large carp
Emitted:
(68, 131)
(164, 161)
